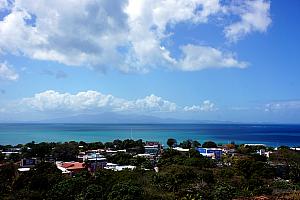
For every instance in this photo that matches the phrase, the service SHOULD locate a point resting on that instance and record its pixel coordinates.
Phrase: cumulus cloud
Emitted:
(282, 106)
(204, 106)
(7, 72)
(254, 16)
(124, 35)
(94, 101)
(201, 57)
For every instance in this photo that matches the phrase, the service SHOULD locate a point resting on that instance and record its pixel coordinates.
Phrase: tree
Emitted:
(66, 151)
(7, 175)
(93, 192)
(171, 142)
(14, 157)
(68, 189)
(120, 158)
(125, 191)
(2, 156)
(223, 192)
(196, 143)
(209, 144)
(187, 144)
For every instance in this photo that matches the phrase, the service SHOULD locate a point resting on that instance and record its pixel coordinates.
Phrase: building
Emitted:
(254, 145)
(152, 148)
(214, 153)
(181, 149)
(116, 167)
(28, 162)
(93, 159)
(70, 167)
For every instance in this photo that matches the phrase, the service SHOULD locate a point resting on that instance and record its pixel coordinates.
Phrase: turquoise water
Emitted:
(273, 135)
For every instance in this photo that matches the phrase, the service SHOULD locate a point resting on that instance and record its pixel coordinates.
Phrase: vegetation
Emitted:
(181, 175)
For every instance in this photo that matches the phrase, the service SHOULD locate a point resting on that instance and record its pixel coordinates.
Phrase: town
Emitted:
(139, 169)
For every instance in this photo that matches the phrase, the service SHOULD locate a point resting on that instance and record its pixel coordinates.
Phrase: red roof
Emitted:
(73, 165)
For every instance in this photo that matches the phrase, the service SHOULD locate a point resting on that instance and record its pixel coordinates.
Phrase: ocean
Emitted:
(269, 134)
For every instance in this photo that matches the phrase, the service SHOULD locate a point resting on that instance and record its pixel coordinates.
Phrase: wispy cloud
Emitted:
(7, 72)
(205, 106)
(292, 105)
(57, 74)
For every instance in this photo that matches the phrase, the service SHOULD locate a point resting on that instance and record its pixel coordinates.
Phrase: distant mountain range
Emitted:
(121, 118)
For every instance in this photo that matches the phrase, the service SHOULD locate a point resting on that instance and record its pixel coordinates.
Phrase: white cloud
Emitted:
(201, 57)
(3, 4)
(93, 101)
(282, 106)
(124, 35)
(7, 72)
(254, 16)
(204, 106)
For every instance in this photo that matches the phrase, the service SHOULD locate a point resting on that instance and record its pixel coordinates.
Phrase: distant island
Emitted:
(137, 169)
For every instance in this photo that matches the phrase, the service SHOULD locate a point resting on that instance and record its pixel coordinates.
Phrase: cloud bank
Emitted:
(94, 102)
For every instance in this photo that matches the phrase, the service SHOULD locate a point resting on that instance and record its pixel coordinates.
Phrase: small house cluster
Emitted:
(94, 159)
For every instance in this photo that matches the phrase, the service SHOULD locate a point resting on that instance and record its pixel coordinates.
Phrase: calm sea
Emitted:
(273, 135)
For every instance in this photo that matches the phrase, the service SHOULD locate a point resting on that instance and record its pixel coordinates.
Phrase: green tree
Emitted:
(209, 144)
(66, 152)
(2, 157)
(14, 157)
(171, 142)
(125, 191)
(93, 192)
(68, 189)
(7, 176)
(223, 192)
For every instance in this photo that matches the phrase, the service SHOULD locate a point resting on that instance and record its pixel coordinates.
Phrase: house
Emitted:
(24, 169)
(116, 167)
(111, 152)
(70, 167)
(93, 159)
(263, 152)
(111, 166)
(181, 149)
(145, 155)
(152, 148)
(214, 153)
(253, 145)
(28, 162)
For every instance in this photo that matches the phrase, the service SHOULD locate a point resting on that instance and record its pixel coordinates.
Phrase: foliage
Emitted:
(125, 191)
(2, 156)
(223, 192)
(182, 175)
(171, 142)
(193, 158)
(67, 151)
(7, 176)
(209, 144)
(120, 158)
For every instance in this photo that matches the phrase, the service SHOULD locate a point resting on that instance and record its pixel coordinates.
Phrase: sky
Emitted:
(222, 60)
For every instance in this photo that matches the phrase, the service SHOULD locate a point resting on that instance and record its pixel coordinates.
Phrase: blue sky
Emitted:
(200, 59)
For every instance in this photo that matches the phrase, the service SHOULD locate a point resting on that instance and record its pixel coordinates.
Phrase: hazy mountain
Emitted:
(110, 117)
(121, 118)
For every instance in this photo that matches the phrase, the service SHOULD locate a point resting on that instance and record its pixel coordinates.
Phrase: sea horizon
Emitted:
(268, 134)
